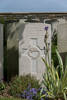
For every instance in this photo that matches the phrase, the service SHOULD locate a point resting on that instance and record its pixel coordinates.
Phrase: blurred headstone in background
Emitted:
(62, 40)
(1, 51)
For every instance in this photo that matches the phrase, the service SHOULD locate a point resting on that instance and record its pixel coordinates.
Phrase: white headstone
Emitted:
(32, 45)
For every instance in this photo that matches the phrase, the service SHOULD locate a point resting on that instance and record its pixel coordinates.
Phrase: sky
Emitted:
(33, 5)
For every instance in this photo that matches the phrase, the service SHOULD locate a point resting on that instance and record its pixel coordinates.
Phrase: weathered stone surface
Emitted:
(1, 51)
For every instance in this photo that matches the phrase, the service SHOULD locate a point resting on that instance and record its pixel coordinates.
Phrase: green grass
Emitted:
(5, 98)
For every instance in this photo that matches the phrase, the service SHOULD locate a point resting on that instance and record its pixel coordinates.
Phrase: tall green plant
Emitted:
(54, 84)
(60, 64)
